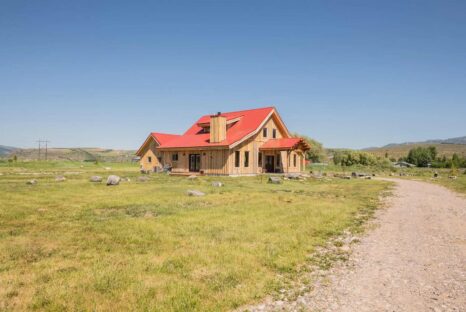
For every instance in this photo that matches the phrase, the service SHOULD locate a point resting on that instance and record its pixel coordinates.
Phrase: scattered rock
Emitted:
(368, 177)
(113, 180)
(108, 168)
(143, 179)
(31, 182)
(125, 179)
(275, 180)
(60, 179)
(96, 179)
(148, 215)
(346, 177)
(452, 177)
(192, 177)
(293, 176)
(217, 184)
(195, 193)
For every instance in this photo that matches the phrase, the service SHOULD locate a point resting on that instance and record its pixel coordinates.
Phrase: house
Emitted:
(245, 142)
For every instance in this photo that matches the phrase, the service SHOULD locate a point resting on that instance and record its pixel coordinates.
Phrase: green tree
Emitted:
(317, 151)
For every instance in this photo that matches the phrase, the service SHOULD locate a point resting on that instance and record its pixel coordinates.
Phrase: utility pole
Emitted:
(46, 147)
(38, 141)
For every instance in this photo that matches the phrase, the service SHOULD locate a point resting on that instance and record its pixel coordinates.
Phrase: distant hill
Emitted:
(72, 154)
(458, 140)
(445, 147)
(6, 150)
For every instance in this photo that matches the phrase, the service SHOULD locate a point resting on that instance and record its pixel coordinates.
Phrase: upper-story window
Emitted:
(274, 133)
(149, 159)
(264, 132)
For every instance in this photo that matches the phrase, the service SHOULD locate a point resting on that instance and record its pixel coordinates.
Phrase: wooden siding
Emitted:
(222, 161)
(218, 128)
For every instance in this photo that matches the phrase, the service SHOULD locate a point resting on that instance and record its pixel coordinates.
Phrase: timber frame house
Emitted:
(247, 142)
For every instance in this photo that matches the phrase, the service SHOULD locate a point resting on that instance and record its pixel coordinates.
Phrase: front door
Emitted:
(269, 164)
(194, 162)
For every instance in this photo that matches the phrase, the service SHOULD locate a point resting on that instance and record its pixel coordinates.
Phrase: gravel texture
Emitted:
(413, 259)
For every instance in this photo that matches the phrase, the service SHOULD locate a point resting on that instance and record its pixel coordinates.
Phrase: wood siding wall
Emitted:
(222, 161)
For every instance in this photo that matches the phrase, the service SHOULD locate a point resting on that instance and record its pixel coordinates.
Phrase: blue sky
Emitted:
(348, 73)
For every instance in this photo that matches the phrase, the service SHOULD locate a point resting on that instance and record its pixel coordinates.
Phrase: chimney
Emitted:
(218, 128)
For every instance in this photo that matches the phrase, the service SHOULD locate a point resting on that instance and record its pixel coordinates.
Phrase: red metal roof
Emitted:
(248, 122)
(283, 144)
(163, 138)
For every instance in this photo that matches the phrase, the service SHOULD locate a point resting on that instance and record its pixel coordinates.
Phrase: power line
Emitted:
(46, 147)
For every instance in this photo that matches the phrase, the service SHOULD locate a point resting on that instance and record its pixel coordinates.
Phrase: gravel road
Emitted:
(413, 260)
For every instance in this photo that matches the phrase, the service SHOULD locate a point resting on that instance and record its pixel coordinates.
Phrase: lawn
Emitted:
(77, 245)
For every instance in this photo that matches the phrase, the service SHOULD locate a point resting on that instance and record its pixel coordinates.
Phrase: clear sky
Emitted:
(348, 73)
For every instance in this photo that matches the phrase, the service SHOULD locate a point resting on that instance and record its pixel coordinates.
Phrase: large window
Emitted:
(175, 157)
(274, 133)
(278, 160)
(246, 159)
(149, 159)
(294, 160)
(264, 132)
(259, 161)
(237, 159)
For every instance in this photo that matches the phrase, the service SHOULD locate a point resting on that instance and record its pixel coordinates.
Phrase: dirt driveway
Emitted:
(413, 260)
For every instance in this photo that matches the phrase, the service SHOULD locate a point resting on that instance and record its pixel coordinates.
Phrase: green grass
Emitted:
(426, 174)
(77, 245)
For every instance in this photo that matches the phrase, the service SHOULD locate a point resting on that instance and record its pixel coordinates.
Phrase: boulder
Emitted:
(125, 179)
(217, 184)
(31, 182)
(143, 179)
(96, 179)
(452, 177)
(192, 177)
(293, 176)
(113, 180)
(108, 168)
(60, 179)
(275, 180)
(346, 177)
(194, 193)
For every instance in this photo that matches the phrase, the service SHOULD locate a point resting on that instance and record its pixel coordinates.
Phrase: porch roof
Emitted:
(285, 144)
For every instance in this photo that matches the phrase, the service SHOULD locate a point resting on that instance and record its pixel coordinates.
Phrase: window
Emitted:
(237, 159)
(294, 160)
(259, 161)
(274, 133)
(149, 159)
(264, 132)
(175, 157)
(246, 159)
(278, 160)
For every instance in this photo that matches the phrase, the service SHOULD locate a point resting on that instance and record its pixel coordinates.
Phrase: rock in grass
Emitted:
(275, 180)
(113, 180)
(194, 193)
(143, 179)
(96, 179)
(60, 179)
(31, 182)
(217, 184)
(192, 177)
(293, 176)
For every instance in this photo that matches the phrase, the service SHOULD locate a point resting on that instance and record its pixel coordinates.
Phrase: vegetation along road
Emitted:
(414, 259)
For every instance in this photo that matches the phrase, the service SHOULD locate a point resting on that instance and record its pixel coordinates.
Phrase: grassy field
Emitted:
(77, 245)
(402, 150)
